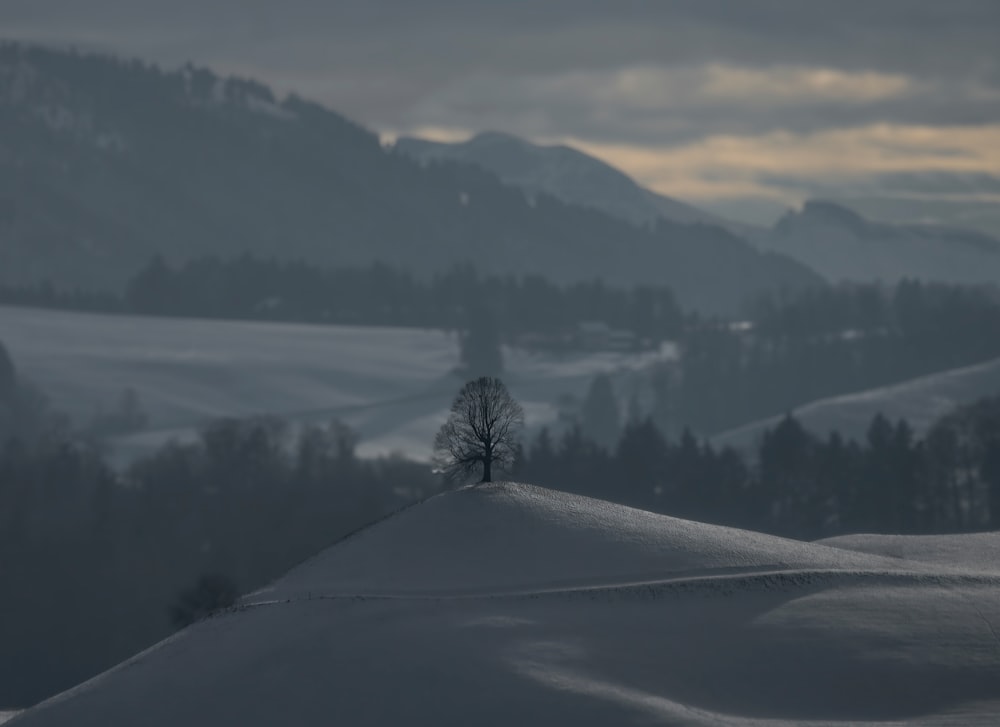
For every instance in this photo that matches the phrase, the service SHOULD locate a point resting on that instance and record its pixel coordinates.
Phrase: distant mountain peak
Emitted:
(843, 245)
(499, 137)
(832, 211)
(823, 213)
(818, 212)
(565, 173)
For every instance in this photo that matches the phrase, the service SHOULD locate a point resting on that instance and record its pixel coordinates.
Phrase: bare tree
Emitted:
(481, 431)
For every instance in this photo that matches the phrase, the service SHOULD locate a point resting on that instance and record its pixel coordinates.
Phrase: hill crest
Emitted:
(512, 537)
(735, 655)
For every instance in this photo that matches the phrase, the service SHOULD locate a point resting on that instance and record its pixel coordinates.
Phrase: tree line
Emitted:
(791, 349)
(815, 344)
(96, 565)
(795, 483)
(528, 308)
(302, 182)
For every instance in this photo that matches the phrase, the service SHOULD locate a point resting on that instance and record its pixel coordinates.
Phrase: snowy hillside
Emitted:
(920, 402)
(392, 384)
(976, 551)
(508, 604)
(520, 537)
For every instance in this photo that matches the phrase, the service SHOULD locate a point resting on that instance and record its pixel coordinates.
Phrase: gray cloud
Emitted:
(485, 63)
(965, 188)
(942, 183)
(675, 107)
(633, 73)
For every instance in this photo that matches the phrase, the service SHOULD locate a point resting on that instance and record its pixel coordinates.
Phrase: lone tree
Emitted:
(481, 431)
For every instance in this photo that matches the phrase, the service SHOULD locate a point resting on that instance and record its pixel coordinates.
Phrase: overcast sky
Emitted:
(745, 102)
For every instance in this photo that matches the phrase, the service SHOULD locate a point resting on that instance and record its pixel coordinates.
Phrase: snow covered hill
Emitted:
(393, 385)
(919, 401)
(521, 538)
(508, 604)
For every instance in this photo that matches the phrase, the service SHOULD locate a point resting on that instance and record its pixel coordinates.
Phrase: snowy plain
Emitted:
(508, 604)
(392, 385)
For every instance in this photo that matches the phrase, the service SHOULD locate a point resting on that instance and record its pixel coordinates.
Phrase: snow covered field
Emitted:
(919, 401)
(391, 384)
(507, 604)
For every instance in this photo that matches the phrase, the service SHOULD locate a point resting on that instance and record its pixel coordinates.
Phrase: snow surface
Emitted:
(508, 604)
(521, 537)
(920, 401)
(975, 551)
(393, 385)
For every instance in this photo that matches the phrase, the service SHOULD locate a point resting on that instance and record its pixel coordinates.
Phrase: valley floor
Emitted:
(392, 385)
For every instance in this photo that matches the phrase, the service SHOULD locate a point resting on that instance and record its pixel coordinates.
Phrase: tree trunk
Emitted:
(487, 469)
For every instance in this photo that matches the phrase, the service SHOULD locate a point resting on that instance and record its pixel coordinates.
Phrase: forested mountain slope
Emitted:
(105, 162)
(563, 172)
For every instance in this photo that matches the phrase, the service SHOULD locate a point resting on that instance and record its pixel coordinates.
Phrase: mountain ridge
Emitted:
(565, 172)
(831, 238)
(842, 244)
(104, 163)
(834, 213)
